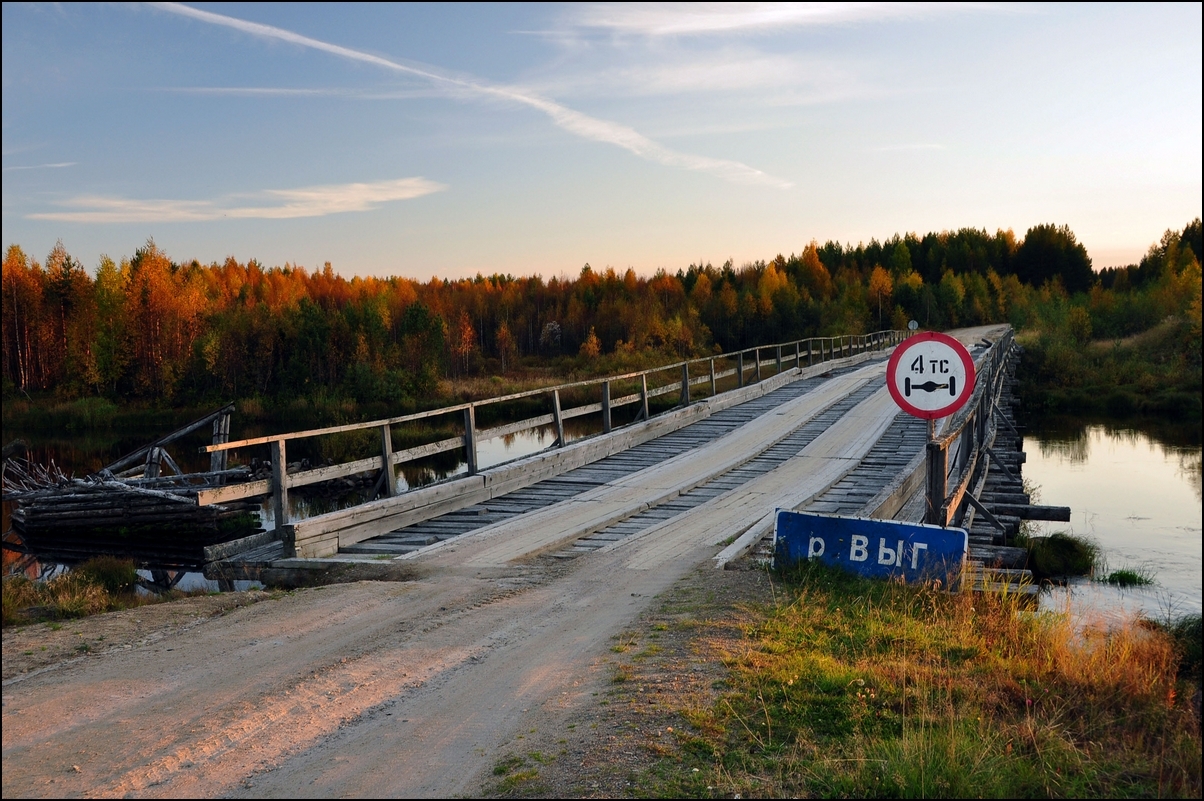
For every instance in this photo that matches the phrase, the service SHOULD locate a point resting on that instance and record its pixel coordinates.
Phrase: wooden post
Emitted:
(386, 463)
(713, 377)
(779, 351)
(279, 484)
(740, 369)
(757, 359)
(643, 396)
(556, 418)
(221, 435)
(606, 407)
(470, 439)
(937, 488)
(154, 462)
(798, 356)
(685, 384)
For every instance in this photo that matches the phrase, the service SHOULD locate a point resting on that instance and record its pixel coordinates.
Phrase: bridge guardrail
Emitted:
(685, 375)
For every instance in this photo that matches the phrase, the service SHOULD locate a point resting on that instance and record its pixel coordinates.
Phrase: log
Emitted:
(1034, 512)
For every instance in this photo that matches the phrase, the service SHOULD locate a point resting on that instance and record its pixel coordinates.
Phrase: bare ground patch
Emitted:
(37, 646)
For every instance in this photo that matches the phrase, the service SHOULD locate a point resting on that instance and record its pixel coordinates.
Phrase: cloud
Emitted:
(55, 166)
(566, 118)
(775, 79)
(275, 204)
(675, 19)
(905, 148)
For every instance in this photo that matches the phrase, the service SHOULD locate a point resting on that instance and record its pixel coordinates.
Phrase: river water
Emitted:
(1137, 496)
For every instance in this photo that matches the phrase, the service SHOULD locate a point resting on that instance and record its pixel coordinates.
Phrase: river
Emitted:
(1137, 495)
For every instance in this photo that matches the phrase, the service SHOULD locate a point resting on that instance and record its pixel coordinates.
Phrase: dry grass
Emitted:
(853, 688)
(102, 584)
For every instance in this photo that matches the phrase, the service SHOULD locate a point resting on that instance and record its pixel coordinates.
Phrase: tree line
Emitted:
(151, 329)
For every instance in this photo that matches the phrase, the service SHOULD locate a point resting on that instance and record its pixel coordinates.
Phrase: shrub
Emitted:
(115, 576)
(1061, 554)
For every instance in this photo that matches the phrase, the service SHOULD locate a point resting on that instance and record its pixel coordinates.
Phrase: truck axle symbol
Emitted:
(930, 386)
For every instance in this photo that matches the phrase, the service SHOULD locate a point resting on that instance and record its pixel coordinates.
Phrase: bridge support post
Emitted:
(606, 407)
(937, 487)
(740, 369)
(779, 350)
(386, 461)
(279, 484)
(685, 384)
(643, 396)
(757, 359)
(221, 435)
(712, 378)
(470, 439)
(557, 419)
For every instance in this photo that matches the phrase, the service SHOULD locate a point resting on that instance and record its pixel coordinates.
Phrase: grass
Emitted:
(102, 584)
(517, 775)
(1128, 577)
(847, 687)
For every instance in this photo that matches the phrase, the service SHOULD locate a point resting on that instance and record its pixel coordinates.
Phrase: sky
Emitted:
(452, 140)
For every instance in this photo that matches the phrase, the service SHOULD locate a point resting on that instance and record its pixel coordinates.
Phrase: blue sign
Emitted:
(870, 548)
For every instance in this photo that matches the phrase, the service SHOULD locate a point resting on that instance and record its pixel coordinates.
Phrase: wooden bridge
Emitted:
(803, 425)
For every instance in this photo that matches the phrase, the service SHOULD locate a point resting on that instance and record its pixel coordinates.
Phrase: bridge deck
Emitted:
(827, 443)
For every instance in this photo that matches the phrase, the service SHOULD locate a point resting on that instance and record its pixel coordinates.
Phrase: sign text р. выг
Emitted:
(870, 548)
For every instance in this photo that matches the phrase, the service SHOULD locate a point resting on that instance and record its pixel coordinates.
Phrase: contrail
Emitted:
(572, 121)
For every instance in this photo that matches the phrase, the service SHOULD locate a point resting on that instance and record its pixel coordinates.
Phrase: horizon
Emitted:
(451, 141)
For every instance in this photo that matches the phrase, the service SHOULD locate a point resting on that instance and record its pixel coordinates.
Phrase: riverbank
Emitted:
(1155, 374)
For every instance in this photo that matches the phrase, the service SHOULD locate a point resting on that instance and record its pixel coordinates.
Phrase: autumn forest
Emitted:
(158, 332)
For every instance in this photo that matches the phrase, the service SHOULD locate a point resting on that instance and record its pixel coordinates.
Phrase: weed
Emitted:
(1126, 577)
(507, 764)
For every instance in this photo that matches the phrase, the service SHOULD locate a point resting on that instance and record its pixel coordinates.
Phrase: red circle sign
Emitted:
(930, 375)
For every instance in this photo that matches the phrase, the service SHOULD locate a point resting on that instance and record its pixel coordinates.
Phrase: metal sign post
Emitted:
(931, 375)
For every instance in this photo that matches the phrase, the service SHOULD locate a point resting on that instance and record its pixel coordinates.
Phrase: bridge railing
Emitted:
(682, 378)
(953, 456)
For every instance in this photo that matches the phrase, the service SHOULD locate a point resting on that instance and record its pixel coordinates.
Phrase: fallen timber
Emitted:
(132, 508)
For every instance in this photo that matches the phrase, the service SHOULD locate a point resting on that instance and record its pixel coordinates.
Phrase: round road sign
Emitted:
(930, 375)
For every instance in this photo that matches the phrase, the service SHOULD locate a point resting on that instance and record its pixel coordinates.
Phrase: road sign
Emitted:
(930, 375)
(870, 548)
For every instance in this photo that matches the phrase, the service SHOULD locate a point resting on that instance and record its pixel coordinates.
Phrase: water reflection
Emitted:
(1139, 498)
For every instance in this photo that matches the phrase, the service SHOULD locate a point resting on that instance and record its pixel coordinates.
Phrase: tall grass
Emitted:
(102, 584)
(850, 687)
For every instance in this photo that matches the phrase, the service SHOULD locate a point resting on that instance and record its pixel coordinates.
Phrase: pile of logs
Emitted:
(69, 520)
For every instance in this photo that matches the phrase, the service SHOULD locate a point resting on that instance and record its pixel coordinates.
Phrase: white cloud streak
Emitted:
(677, 19)
(56, 166)
(276, 204)
(574, 122)
(905, 148)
